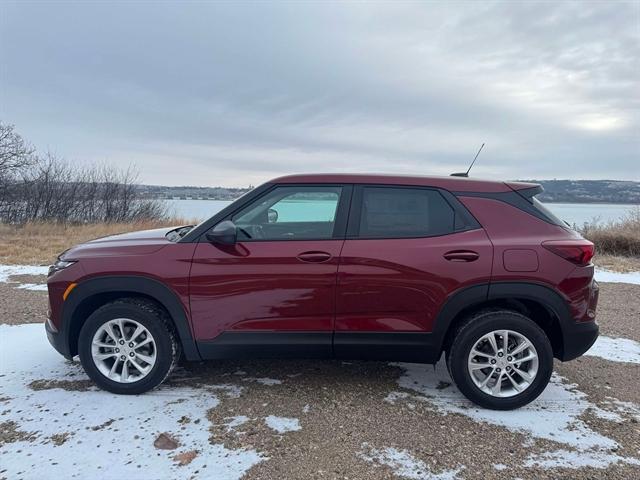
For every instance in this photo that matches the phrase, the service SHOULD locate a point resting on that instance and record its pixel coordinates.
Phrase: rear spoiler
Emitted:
(517, 186)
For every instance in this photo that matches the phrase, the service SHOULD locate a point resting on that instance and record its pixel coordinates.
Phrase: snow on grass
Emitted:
(109, 436)
(282, 424)
(603, 275)
(404, 464)
(575, 460)
(616, 349)
(6, 271)
(555, 415)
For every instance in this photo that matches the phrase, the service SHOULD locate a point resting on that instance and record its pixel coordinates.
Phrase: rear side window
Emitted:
(538, 205)
(389, 212)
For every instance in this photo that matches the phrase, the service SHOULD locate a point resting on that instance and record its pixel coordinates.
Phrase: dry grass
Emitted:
(618, 263)
(616, 238)
(41, 243)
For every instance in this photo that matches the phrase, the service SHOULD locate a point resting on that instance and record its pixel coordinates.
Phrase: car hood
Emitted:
(133, 243)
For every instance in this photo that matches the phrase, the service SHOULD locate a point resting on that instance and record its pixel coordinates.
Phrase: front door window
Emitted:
(290, 213)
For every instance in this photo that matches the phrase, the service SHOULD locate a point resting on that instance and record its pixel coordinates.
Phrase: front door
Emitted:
(272, 292)
(407, 250)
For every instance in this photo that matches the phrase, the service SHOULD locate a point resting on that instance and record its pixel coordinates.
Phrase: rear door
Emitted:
(274, 290)
(407, 250)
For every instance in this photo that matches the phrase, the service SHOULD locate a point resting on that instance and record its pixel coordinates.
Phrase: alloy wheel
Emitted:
(123, 350)
(503, 363)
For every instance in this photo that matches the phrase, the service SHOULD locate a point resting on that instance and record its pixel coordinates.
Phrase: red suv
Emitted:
(339, 266)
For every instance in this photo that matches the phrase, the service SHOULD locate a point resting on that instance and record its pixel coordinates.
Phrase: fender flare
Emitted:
(131, 285)
(542, 294)
(482, 293)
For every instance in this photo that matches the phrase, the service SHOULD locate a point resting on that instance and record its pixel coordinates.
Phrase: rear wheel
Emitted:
(500, 359)
(128, 346)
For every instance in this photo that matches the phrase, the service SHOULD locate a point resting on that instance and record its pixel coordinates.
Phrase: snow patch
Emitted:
(555, 415)
(615, 349)
(263, 381)
(282, 424)
(627, 408)
(575, 460)
(235, 422)
(38, 287)
(604, 276)
(393, 397)
(114, 432)
(404, 464)
(7, 271)
(606, 415)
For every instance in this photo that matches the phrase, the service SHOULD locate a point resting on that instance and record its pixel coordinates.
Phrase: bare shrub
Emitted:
(616, 238)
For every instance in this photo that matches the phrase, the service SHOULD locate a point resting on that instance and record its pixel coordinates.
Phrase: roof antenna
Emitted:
(466, 174)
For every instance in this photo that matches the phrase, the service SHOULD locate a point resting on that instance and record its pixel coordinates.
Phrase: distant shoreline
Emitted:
(605, 192)
(573, 202)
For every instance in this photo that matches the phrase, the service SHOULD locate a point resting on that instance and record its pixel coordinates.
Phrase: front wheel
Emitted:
(500, 359)
(128, 346)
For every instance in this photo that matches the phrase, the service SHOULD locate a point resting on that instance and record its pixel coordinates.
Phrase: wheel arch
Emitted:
(540, 303)
(95, 292)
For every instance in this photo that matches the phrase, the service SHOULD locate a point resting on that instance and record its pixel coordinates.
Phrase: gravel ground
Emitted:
(330, 419)
(21, 306)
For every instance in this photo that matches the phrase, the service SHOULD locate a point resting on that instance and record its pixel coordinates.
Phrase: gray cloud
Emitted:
(223, 93)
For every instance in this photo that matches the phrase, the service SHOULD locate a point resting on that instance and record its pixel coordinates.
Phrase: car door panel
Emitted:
(398, 285)
(263, 286)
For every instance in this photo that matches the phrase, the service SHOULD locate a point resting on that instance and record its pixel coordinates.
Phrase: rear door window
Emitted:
(398, 212)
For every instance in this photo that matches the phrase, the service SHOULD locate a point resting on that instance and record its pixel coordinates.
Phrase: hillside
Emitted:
(570, 191)
(590, 191)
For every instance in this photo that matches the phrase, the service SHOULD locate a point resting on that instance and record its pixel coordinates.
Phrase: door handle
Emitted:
(314, 257)
(461, 256)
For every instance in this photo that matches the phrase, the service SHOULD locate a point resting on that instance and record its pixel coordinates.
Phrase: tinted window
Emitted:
(290, 213)
(404, 212)
(547, 213)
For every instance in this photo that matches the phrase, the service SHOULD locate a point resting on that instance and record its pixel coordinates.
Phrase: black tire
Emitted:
(478, 325)
(157, 322)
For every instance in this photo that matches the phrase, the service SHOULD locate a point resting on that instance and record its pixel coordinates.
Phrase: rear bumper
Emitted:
(580, 330)
(577, 339)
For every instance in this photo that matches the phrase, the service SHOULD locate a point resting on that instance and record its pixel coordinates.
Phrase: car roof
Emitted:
(454, 184)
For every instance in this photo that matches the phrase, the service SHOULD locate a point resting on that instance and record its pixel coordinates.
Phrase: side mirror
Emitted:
(272, 215)
(223, 233)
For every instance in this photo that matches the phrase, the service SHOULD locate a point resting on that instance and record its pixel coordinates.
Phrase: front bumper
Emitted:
(578, 338)
(56, 339)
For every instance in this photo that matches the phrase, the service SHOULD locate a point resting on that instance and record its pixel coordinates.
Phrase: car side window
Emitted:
(389, 212)
(290, 213)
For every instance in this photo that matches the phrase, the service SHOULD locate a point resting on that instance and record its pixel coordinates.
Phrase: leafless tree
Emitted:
(15, 153)
(46, 188)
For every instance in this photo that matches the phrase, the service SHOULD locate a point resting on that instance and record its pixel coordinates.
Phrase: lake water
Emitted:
(574, 213)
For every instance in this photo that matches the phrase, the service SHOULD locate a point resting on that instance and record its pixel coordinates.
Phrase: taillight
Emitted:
(579, 252)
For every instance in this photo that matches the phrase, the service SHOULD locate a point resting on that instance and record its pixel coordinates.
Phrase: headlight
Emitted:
(60, 265)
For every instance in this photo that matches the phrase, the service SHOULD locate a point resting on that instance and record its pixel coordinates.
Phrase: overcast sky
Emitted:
(235, 93)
